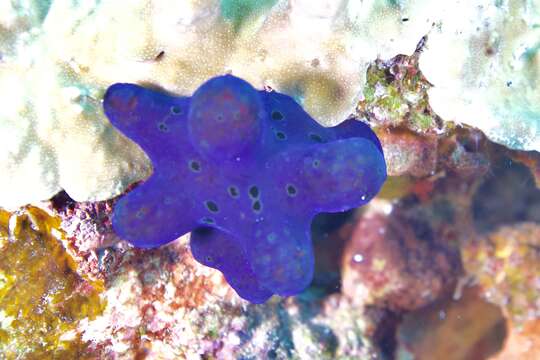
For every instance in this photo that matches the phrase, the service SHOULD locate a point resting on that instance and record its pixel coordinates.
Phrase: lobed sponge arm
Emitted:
(331, 177)
(147, 217)
(149, 118)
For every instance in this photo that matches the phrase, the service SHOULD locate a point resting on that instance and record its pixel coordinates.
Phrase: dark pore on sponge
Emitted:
(244, 171)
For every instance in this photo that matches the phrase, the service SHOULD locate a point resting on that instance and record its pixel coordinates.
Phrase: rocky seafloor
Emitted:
(443, 264)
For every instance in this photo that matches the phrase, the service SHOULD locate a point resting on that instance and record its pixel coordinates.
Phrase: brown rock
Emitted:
(464, 153)
(466, 329)
(408, 153)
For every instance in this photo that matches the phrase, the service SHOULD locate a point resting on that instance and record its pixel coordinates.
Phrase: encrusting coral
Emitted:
(483, 59)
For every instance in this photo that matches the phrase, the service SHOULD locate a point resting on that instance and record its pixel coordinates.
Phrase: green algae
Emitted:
(396, 187)
(34, 10)
(395, 94)
(42, 297)
(240, 11)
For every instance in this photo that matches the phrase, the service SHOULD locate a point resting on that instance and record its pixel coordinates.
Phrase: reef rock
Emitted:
(387, 264)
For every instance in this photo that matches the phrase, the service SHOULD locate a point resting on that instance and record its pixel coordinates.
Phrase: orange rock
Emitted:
(522, 344)
(386, 264)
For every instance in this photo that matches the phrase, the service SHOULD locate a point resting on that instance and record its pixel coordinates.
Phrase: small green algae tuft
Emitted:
(395, 94)
(240, 11)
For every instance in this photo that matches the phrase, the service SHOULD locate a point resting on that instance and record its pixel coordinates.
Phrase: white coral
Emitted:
(483, 58)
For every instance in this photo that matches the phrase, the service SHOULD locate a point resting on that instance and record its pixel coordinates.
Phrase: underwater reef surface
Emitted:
(481, 56)
(442, 262)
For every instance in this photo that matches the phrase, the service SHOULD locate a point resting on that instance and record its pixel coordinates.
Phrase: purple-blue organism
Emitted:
(245, 171)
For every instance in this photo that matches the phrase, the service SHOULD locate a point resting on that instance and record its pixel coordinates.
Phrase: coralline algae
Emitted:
(247, 170)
